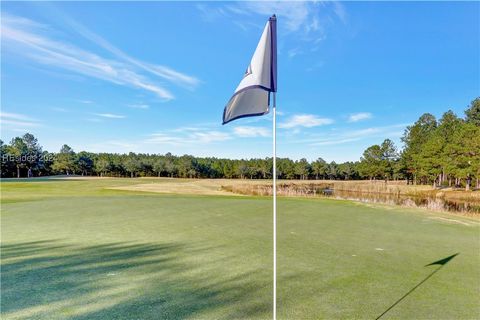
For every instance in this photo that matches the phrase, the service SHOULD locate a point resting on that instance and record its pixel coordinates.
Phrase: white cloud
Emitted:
(15, 116)
(345, 136)
(159, 70)
(250, 132)
(294, 52)
(210, 13)
(308, 20)
(305, 120)
(6, 122)
(296, 14)
(187, 136)
(355, 117)
(210, 136)
(110, 115)
(23, 36)
(340, 11)
(17, 122)
(163, 138)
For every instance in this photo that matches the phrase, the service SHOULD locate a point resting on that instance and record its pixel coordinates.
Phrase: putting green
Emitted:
(77, 250)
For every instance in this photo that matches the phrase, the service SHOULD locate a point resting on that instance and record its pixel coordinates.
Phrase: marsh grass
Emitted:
(393, 193)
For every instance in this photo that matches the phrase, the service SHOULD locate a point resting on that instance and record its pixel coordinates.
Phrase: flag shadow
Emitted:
(441, 263)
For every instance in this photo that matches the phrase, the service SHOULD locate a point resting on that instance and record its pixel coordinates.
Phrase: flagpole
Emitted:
(274, 206)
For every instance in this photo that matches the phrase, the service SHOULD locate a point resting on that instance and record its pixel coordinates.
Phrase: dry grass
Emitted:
(395, 192)
(294, 188)
(198, 187)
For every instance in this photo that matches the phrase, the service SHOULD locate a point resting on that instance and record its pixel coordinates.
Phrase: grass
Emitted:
(81, 250)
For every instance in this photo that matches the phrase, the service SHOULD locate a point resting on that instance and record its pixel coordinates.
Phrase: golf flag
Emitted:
(252, 96)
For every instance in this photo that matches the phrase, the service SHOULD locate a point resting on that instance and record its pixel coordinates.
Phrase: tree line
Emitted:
(443, 152)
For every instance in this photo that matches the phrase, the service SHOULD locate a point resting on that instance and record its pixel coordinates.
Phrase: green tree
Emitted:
(473, 112)
(347, 170)
(33, 156)
(332, 170)
(131, 164)
(8, 166)
(102, 165)
(319, 168)
(18, 152)
(371, 164)
(414, 138)
(388, 158)
(84, 162)
(302, 168)
(65, 160)
(465, 151)
(443, 137)
(159, 166)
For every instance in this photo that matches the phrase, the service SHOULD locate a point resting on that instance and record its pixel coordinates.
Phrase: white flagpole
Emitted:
(274, 206)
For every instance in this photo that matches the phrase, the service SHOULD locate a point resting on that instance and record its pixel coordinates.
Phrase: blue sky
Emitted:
(154, 77)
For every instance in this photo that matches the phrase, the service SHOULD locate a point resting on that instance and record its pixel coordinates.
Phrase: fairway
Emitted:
(78, 249)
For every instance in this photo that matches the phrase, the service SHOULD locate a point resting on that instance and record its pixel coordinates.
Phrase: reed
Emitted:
(394, 193)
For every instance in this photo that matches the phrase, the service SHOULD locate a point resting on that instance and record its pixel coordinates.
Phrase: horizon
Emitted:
(128, 83)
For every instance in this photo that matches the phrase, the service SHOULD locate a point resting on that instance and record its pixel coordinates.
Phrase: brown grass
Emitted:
(199, 187)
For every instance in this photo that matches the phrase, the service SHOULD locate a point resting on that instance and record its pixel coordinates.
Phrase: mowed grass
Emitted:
(80, 250)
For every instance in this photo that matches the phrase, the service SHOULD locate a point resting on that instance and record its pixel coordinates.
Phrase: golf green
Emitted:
(76, 250)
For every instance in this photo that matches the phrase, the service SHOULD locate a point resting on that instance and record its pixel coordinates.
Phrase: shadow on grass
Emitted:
(51, 279)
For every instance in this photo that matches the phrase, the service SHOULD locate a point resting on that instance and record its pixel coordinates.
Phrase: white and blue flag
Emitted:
(252, 96)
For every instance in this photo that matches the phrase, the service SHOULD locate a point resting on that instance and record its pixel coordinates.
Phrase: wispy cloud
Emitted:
(187, 136)
(355, 117)
(15, 116)
(314, 66)
(305, 120)
(306, 19)
(295, 14)
(159, 70)
(113, 146)
(345, 136)
(110, 115)
(164, 138)
(251, 132)
(210, 136)
(32, 40)
(340, 11)
(210, 13)
(294, 52)
(15, 120)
